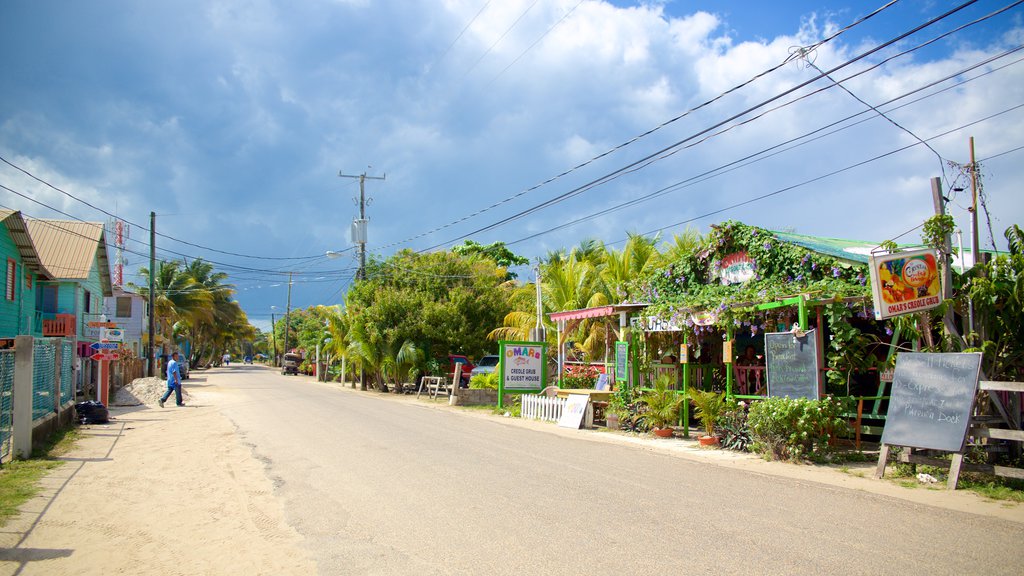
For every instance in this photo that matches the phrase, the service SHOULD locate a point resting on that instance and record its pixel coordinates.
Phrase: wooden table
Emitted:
(595, 395)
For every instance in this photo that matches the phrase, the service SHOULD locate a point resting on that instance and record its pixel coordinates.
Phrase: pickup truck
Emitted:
(467, 367)
(290, 363)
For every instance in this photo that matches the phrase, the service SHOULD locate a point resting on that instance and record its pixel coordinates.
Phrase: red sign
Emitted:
(106, 356)
(736, 268)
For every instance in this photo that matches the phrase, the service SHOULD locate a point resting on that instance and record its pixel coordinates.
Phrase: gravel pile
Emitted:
(145, 391)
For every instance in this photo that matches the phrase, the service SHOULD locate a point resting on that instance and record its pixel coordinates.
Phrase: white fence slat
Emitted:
(535, 407)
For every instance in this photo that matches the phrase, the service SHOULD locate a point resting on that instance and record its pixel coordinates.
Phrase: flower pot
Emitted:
(663, 432)
(708, 440)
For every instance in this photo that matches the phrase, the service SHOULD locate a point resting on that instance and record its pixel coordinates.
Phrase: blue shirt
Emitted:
(173, 374)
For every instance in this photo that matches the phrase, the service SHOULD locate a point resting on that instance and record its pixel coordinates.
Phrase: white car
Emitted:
(486, 365)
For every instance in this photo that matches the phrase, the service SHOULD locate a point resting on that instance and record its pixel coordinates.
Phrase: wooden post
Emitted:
(883, 457)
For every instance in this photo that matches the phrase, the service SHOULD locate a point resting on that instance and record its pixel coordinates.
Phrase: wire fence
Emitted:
(67, 384)
(6, 402)
(44, 375)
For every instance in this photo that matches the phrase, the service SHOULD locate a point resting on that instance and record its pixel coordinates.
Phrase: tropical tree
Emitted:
(177, 297)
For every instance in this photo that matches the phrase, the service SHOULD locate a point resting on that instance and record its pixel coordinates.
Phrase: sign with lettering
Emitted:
(736, 268)
(574, 410)
(523, 365)
(112, 334)
(792, 364)
(621, 361)
(904, 282)
(931, 401)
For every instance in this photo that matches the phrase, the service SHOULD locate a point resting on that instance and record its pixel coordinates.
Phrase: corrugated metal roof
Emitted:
(851, 250)
(66, 249)
(16, 226)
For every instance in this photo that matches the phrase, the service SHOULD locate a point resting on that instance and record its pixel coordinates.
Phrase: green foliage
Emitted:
(580, 377)
(662, 403)
(733, 428)
(496, 251)
(485, 381)
(709, 407)
(850, 350)
(997, 292)
(793, 429)
(936, 230)
(690, 283)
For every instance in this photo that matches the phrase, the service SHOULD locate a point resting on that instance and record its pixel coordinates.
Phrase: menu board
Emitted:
(792, 364)
(931, 401)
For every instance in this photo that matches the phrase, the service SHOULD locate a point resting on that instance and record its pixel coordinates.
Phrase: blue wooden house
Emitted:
(22, 273)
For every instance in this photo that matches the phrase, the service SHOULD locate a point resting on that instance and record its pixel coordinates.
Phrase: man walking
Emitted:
(173, 381)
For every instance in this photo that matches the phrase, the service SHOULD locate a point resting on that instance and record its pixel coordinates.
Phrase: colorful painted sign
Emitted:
(905, 282)
(104, 345)
(112, 334)
(106, 356)
(736, 268)
(574, 411)
(522, 365)
(621, 361)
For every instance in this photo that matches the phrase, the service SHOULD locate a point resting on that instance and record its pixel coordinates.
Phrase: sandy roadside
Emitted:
(174, 491)
(156, 491)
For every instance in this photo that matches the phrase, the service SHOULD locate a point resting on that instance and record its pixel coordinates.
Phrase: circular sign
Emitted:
(915, 272)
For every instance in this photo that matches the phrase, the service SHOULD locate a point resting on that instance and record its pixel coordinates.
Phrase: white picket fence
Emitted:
(542, 408)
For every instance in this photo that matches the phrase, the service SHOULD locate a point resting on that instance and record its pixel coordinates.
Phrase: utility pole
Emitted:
(359, 225)
(273, 339)
(287, 313)
(359, 237)
(151, 369)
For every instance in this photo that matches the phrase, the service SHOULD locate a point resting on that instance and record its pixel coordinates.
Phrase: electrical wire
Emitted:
(780, 148)
(646, 160)
(636, 138)
(535, 42)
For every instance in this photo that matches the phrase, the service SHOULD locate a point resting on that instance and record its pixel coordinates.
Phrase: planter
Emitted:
(664, 432)
(708, 440)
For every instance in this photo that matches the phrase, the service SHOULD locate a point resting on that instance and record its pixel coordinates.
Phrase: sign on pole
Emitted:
(104, 345)
(112, 334)
(904, 283)
(108, 356)
(522, 367)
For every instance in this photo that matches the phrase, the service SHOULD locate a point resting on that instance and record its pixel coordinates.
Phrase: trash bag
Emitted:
(92, 412)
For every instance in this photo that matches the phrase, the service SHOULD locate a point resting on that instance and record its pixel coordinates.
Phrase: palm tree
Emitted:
(636, 258)
(176, 297)
(683, 244)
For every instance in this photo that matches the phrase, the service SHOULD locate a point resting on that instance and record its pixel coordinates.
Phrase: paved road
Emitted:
(384, 487)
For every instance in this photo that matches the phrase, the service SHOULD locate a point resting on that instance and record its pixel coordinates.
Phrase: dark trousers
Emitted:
(176, 388)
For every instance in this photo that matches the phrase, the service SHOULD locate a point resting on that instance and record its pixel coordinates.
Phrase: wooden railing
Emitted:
(59, 325)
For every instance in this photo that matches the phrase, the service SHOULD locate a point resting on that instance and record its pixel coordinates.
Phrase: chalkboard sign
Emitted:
(792, 364)
(931, 400)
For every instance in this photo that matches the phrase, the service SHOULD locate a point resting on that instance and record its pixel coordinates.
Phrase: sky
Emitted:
(539, 123)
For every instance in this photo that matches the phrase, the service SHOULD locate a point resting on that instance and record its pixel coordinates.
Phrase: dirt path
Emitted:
(157, 491)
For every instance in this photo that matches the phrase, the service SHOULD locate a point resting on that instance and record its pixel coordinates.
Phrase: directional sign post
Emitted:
(101, 356)
(104, 345)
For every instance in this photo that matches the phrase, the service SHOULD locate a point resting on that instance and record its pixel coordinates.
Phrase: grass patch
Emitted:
(19, 479)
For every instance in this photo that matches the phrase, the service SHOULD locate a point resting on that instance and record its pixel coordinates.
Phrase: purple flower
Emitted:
(767, 246)
(861, 279)
(835, 272)
(754, 232)
(753, 330)
(805, 258)
(799, 277)
(814, 265)
(888, 330)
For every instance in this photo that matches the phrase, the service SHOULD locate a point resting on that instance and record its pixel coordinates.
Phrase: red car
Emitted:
(467, 367)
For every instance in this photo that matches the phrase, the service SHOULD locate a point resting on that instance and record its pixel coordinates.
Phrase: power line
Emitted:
(779, 148)
(634, 139)
(664, 152)
(98, 209)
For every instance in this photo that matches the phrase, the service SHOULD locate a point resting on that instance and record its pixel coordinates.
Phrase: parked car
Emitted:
(467, 367)
(290, 363)
(487, 365)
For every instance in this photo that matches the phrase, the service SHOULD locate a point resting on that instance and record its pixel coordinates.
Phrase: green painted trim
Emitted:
(501, 369)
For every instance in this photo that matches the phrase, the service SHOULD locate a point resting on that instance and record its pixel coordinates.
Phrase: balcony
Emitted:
(59, 325)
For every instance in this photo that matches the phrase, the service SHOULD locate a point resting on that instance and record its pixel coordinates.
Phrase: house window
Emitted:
(12, 277)
(124, 307)
(28, 280)
(88, 302)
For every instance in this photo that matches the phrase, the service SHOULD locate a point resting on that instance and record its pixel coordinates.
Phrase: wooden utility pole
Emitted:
(151, 368)
(287, 313)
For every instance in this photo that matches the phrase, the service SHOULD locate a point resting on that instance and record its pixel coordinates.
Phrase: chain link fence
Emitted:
(44, 375)
(6, 402)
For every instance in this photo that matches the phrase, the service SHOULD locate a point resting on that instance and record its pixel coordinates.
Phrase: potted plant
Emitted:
(662, 406)
(709, 407)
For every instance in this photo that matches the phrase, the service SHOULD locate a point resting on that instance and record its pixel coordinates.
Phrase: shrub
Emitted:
(709, 407)
(793, 429)
(485, 381)
(580, 377)
(733, 428)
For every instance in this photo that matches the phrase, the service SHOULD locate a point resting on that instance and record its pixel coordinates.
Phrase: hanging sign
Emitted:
(736, 268)
(112, 334)
(904, 283)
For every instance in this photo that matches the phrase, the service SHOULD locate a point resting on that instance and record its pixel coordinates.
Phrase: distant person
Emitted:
(227, 359)
(173, 382)
(749, 358)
